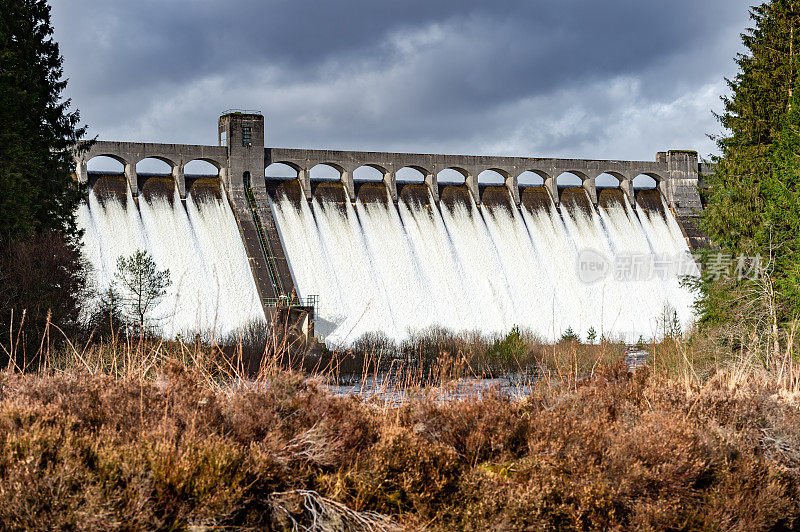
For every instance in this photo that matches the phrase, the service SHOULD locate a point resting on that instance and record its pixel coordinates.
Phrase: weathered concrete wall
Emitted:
(246, 157)
(676, 172)
(684, 181)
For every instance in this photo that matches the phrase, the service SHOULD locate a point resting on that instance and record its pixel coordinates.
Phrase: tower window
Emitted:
(223, 138)
(247, 136)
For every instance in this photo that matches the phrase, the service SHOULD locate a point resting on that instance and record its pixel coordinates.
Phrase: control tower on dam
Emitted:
(242, 159)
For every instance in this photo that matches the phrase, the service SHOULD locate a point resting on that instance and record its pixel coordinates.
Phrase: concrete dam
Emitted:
(396, 242)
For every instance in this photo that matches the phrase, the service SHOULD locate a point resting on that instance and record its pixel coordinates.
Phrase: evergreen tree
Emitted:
(42, 274)
(38, 131)
(779, 230)
(753, 116)
(142, 286)
(751, 206)
(591, 336)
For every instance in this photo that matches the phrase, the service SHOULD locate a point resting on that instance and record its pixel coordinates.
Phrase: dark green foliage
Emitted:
(752, 202)
(37, 192)
(511, 348)
(781, 218)
(41, 271)
(569, 336)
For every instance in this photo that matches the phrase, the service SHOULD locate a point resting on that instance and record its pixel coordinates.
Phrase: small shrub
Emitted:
(509, 349)
(591, 335)
(569, 336)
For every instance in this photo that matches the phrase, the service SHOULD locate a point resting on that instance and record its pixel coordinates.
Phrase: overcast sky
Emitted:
(616, 79)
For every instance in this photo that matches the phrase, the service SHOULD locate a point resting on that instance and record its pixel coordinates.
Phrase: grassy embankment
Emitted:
(166, 435)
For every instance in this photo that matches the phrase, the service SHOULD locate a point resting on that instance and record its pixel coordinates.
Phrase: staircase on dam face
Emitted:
(270, 266)
(267, 247)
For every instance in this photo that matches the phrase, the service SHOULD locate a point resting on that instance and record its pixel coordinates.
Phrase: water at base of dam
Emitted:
(400, 268)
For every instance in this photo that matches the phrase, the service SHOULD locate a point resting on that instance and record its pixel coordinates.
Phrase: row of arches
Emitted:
(152, 165)
(448, 176)
(326, 172)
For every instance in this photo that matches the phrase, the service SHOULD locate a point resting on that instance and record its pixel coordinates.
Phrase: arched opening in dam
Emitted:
(155, 166)
(202, 180)
(104, 164)
(643, 182)
(155, 179)
(325, 172)
(451, 176)
(571, 194)
(568, 180)
(282, 178)
(411, 187)
(491, 178)
(327, 187)
(369, 184)
(409, 175)
(280, 172)
(493, 190)
(532, 192)
(199, 168)
(454, 193)
(609, 191)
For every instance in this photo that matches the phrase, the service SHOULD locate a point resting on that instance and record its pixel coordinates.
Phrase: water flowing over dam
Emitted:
(400, 268)
(212, 288)
(339, 258)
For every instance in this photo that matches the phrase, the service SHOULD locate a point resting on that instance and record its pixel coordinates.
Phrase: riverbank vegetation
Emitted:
(168, 435)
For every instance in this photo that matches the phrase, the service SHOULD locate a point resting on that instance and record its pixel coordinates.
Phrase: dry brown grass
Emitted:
(167, 435)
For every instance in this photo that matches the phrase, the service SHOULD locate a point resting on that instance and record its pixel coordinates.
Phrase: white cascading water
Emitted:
(400, 269)
(212, 291)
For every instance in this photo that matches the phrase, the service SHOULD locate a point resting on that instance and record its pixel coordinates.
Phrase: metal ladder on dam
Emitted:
(296, 314)
(263, 242)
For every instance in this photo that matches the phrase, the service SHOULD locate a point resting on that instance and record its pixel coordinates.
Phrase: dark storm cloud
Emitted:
(619, 78)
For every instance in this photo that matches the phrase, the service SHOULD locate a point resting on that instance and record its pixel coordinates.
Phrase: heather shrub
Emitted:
(406, 473)
(176, 448)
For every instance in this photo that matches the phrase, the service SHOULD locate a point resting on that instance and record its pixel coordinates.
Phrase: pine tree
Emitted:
(39, 132)
(752, 202)
(141, 285)
(42, 275)
(779, 230)
(753, 116)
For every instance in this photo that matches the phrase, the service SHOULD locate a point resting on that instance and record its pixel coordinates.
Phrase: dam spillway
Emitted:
(212, 289)
(393, 257)
(399, 268)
